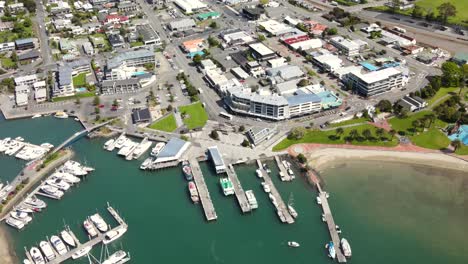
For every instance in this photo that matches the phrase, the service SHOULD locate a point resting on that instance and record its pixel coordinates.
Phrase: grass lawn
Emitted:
(441, 93)
(167, 124)
(136, 44)
(79, 80)
(196, 115)
(350, 122)
(463, 150)
(7, 63)
(406, 123)
(327, 137)
(79, 95)
(461, 5)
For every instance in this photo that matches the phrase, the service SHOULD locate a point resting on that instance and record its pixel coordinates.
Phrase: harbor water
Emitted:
(389, 213)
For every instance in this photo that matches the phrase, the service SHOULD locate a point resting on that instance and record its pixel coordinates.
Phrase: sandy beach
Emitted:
(7, 255)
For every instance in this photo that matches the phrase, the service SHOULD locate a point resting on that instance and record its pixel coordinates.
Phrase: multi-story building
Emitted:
(21, 95)
(27, 80)
(376, 82)
(148, 34)
(348, 47)
(24, 44)
(63, 85)
(133, 58)
(120, 86)
(40, 91)
(7, 46)
(261, 52)
(126, 6)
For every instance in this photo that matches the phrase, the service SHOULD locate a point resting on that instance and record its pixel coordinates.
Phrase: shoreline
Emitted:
(7, 254)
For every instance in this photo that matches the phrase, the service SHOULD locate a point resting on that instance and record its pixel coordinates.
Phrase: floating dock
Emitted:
(284, 172)
(204, 194)
(281, 205)
(331, 225)
(239, 192)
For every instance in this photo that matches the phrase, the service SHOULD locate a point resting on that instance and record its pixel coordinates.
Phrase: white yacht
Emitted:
(146, 164)
(26, 261)
(35, 202)
(67, 177)
(141, 149)
(58, 245)
(99, 222)
(24, 209)
(117, 257)
(159, 146)
(52, 191)
(259, 173)
(19, 139)
(74, 168)
(90, 228)
(46, 248)
(266, 187)
(21, 216)
(128, 147)
(319, 200)
(120, 142)
(109, 143)
(36, 116)
(293, 244)
(36, 255)
(346, 248)
(15, 223)
(292, 211)
(47, 145)
(68, 238)
(82, 252)
(281, 216)
(61, 115)
(251, 199)
(114, 235)
(58, 183)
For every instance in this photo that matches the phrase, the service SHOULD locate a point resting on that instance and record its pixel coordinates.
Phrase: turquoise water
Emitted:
(385, 210)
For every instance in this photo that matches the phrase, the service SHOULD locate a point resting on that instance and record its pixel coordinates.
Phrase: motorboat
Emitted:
(292, 211)
(61, 115)
(68, 238)
(120, 142)
(67, 177)
(157, 149)
(266, 187)
(76, 119)
(331, 250)
(58, 245)
(24, 209)
(35, 202)
(251, 199)
(19, 139)
(346, 248)
(338, 229)
(36, 116)
(99, 222)
(115, 258)
(259, 173)
(52, 191)
(290, 172)
(82, 252)
(187, 170)
(90, 228)
(323, 218)
(15, 223)
(141, 149)
(74, 168)
(21, 216)
(36, 255)
(319, 200)
(58, 183)
(193, 192)
(47, 145)
(226, 185)
(146, 164)
(46, 248)
(114, 234)
(293, 244)
(26, 261)
(109, 143)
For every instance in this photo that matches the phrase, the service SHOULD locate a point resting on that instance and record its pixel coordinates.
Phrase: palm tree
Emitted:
(353, 133)
(379, 132)
(416, 124)
(456, 144)
(393, 133)
(367, 133)
(339, 131)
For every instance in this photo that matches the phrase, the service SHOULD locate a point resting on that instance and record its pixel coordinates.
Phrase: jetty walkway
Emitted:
(331, 224)
(281, 205)
(238, 191)
(284, 172)
(203, 192)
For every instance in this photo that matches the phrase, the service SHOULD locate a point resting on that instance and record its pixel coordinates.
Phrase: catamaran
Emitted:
(346, 248)
(46, 248)
(82, 252)
(58, 245)
(89, 228)
(68, 238)
(141, 149)
(114, 235)
(36, 255)
(99, 222)
(251, 199)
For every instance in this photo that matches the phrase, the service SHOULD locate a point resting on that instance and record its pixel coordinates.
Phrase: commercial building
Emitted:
(27, 80)
(217, 159)
(259, 134)
(284, 73)
(7, 46)
(173, 150)
(209, 15)
(24, 44)
(348, 47)
(141, 115)
(133, 58)
(120, 86)
(40, 91)
(276, 28)
(236, 37)
(412, 104)
(193, 45)
(328, 62)
(261, 52)
(149, 35)
(29, 55)
(217, 80)
(116, 40)
(190, 6)
(182, 25)
(21, 95)
(63, 85)
(391, 36)
(376, 82)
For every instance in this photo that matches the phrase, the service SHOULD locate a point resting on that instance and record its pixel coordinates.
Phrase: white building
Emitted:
(376, 82)
(275, 28)
(27, 80)
(307, 44)
(236, 37)
(190, 6)
(7, 46)
(328, 62)
(348, 47)
(21, 95)
(40, 91)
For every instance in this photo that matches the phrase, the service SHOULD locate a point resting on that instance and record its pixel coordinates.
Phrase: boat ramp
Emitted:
(238, 191)
(284, 175)
(282, 207)
(205, 198)
(331, 224)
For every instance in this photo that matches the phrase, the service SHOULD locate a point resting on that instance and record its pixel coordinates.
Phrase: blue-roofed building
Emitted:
(302, 103)
(461, 134)
(64, 83)
(217, 159)
(24, 44)
(173, 150)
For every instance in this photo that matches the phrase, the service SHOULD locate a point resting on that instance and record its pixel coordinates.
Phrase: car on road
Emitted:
(101, 106)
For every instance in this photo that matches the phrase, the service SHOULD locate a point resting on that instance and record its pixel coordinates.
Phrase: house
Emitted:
(2, 6)
(21, 95)
(62, 7)
(6, 26)
(315, 27)
(92, 27)
(66, 45)
(126, 6)
(88, 48)
(16, 7)
(60, 24)
(412, 49)
(24, 44)
(182, 25)
(371, 28)
(98, 42)
(141, 115)
(193, 45)
(115, 19)
(116, 40)
(27, 80)
(40, 91)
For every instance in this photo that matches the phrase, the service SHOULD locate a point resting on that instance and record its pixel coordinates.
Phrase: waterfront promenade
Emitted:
(238, 190)
(203, 192)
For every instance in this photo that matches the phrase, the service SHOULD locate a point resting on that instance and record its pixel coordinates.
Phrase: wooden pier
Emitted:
(331, 225)
(92, 242)
(281, 205)
(284, 175)
(239, 192)
(203, 192)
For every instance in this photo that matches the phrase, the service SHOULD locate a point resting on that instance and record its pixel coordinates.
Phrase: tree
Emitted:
(96, 100)
(367, 133)
(379, 132)
(14, 56)
(213, 42)
(261, 37)
(301, 158)
(9, 83)
(297, 133)
(213, 25)
(115, 103)
(170, 108)
(456, 144)
(264, 2)
(395, 5)
(417, 12)
(353, 133)
(416, 124)
(339, 131)
(384, 106)
(214, 135)
(451, 74)
(332, 31)
(77, 101)
(303, 82)
(97, 110)
(245, 143)
(431, 118)
(197, 59)
(446, 10)
(242, 128)
(392, 133)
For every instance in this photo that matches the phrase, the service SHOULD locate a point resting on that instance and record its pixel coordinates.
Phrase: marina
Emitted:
(284, 174)
(281, 207)
(204, 194)
(238, 191)
(23, 150)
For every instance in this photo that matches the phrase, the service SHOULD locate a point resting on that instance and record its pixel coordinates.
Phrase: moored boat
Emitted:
(259, 173)
(292, 211)
(46, 248)
(114, 235)
(266, 187)
(346, 248)
(15, 223)
(82, 252)
(58, 245)
(67, 237)
(226, 185)
(293, 244)
(52, 191)
(21, 216)
(36, 255)
(331, 250)
(146, 164)
(115, 258)
(58, 183)
(193, 192)
(109, 143)
(99, 222)
(89, 228)
(36, 116)
(187, 170)
(61, 115)
(251, 199)
(157, 148)
(319, 200)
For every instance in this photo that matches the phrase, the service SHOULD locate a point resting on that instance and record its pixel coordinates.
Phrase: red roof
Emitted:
(292, 40)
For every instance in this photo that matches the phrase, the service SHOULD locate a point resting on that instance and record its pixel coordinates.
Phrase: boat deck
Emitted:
(283, 170)
(203, 192)
(281, 205)
(112, 146)
(331, 225)
(239, 192)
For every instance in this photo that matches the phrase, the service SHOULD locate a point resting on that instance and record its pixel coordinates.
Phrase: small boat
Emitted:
(21, 216)
(35, 202)
(61, 115)
(226, 185)
(331, 250)
(327, 195)
(36, 255)
(46, 248)
(319, 200)
(266, 187)
(58, 245)
(52, 191)
(338, 229)
(293, 244)
(109, 143)
(82, 252)
(26, 261)
(58, 183)
(15, 223)
(146, 164)
(259, 173)
(292, 211)
(157, 148)
(19, 139)
(290, 172)
(36, 116)
(99, 222)
(346, 248)
(251, 199)
(193, 192)
(67, 177)
(76, 119)
(114, 235)
(187, 170)
(90, 228)
(323, 218)
(115, 258)
(68, 238)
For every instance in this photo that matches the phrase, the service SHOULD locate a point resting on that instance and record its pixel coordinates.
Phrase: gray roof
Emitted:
(302, 98)
(216, 156)
(173, 146)
(64, 75)
(286, 71)
(129, 81)
(117, 60)
(141, 115)
(147, 32)
(187, 22)
(29, 55)
(264, 99)
(78, 63)
(24, 41)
